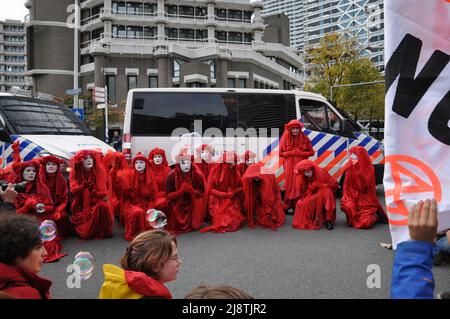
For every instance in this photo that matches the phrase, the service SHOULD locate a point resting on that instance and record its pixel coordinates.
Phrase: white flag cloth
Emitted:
(417, 134)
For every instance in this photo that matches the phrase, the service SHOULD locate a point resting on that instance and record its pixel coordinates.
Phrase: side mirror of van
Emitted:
(4, 135)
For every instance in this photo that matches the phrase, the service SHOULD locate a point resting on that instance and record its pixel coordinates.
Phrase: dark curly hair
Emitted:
(19, 236)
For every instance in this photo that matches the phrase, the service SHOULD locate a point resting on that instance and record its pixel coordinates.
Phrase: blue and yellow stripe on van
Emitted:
(330, 152)
(28, 150)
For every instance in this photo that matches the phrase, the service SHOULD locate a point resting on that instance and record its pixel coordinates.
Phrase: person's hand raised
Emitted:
(422, 221)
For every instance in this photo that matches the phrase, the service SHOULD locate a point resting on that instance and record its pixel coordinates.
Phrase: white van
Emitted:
(43, 128)
(173, 117)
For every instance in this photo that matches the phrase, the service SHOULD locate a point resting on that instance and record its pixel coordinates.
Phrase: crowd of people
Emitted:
(226, 193)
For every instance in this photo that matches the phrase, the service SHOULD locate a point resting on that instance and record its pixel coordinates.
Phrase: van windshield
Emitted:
(38, 117)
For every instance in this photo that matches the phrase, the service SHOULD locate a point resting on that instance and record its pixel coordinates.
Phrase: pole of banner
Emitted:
(75, 52)
(106, 116)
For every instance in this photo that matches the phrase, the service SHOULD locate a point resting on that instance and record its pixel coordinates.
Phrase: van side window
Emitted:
(160, 113)
(314, 115)
(265, 111)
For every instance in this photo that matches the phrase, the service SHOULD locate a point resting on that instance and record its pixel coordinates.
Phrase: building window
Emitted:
(186, 34)
(235, 15)
(201, 12)
(176, 68)
(150, 32)
(196, 85)
(172, 33)
(132, 82)
(221, 14)
(111, 84)
(221, 36)
(231, 82)
(201, 34)
(242, 83)
(212, 68)
(256, 84)
(186, 11)
(153, 82)
(172, 10)
(235, 37)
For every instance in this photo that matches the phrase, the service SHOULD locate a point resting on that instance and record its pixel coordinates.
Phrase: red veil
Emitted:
(114, 162)
(138, 195)
(243, 166)
(359, 199)
(293, 149)
(37, 192)
(185, 193)
(316, 197)
(262, 195)
(224, 196)
(204, 166)
(91, 214)
(160, 171)
(57, 186)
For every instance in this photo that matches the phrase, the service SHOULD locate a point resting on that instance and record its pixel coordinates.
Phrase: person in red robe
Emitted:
(315, 189)
(248, 159)
(160, 168)
(92, 215)
(139, 191)
(224, 193)
(359, 198)
(185, 190)
(51, 175)
(36, 201)
(114, 163)
(204, 160)
(295, 146)
(262, 195)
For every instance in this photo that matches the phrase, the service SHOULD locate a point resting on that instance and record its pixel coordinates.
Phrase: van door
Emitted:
(325, 128)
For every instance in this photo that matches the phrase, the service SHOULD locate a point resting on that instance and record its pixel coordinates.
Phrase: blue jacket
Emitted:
(412, 277)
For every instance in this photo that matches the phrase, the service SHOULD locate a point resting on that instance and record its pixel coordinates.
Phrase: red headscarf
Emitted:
(114, 158)
(288, 140)
(134, 178)
(319, 177)
(78, 174)
(225, 174)
(361, 174)
(164, 167)
(40, 188)
(181, 177)
(54, 182)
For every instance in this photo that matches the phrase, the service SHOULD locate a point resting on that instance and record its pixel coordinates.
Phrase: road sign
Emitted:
(73, 91)
(101, 106)
(79, 113)
(100, 95)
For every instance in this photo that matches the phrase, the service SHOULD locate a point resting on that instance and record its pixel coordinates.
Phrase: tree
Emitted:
(337, 61)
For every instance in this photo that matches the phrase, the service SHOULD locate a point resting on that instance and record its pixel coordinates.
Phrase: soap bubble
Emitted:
(85, 261)
(47, 230)
(156, 218)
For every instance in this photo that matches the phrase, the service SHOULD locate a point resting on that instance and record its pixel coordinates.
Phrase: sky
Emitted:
(12, 9)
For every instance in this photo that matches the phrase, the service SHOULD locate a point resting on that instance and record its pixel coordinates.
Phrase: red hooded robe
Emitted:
(263, 203)
(359, 199)
(160, 173)
(224, 193)
(36, 192)
(57, 185)
(293, 149)
(316, 203)
(92, 215)
(114, 163)
(244, 166)
(185, 191)
(138, 196)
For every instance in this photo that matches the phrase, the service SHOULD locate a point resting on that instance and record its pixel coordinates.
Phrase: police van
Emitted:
(240, 120)
(42, 128)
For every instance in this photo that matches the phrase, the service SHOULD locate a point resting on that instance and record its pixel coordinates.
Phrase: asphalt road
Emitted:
(284, 264)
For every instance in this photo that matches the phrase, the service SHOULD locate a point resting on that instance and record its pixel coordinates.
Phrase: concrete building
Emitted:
(160, 43)
(13, 56)
(312, 19)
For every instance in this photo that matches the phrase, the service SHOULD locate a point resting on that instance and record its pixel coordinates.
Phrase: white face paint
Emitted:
(354, 158)
(185, 166)
(51, 168)
(295, 131)
(157, 159)
(88, 162)
(140, 166)
(308, 173)
(29, 174)
(206, 155)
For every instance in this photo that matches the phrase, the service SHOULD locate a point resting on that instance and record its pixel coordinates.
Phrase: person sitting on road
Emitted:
(359, 199)
(217, 292)
(412, 276)
(315, 190)
(150, 261)
(22, 254)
